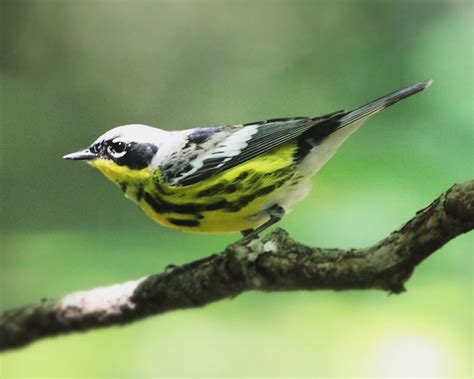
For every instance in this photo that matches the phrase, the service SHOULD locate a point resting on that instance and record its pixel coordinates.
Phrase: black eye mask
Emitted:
(137, 155)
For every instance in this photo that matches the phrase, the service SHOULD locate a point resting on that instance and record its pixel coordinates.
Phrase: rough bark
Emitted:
(276, 263)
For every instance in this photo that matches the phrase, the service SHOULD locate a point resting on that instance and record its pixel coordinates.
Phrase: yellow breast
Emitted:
(233, 200)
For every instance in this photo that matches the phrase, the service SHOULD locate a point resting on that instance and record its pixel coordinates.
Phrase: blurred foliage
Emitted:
(72, 70)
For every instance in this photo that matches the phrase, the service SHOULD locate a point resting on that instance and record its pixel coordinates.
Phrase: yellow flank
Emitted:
(232, 200)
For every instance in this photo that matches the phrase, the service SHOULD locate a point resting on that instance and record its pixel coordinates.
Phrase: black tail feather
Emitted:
(330, 123)
(382, 103)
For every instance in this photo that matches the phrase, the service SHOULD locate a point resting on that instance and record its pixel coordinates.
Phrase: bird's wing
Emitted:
(210, 150)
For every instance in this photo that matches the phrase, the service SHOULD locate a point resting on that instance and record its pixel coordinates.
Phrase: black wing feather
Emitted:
(270, 135)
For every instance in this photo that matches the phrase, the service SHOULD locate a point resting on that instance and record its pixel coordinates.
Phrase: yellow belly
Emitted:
(218, 221)
(215, 221)
(233, 200)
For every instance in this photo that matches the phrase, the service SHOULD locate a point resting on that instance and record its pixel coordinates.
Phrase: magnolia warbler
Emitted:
(225, 178)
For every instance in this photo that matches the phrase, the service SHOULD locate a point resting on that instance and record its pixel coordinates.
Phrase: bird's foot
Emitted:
(276, 213)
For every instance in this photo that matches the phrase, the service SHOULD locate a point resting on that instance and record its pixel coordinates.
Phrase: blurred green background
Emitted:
(72, 70)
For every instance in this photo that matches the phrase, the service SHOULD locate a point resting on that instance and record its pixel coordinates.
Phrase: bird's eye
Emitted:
(117, 149)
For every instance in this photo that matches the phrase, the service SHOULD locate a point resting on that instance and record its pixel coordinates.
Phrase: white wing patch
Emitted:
(225, 150)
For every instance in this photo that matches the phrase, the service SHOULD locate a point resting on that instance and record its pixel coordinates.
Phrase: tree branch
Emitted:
(277, 263)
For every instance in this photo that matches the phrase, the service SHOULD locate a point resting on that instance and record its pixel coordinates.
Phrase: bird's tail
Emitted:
(344, 123)
(327, 125)
(381, 103)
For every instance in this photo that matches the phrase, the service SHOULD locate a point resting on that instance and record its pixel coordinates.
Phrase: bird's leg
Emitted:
(276, 213)
(246, 232)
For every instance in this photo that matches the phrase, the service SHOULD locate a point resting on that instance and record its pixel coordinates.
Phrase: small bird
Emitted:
(226, 178)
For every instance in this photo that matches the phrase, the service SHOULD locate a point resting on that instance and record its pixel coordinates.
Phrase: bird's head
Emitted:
(125, 153)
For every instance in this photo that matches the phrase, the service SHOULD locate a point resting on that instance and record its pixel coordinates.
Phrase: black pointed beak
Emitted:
(83, 155)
